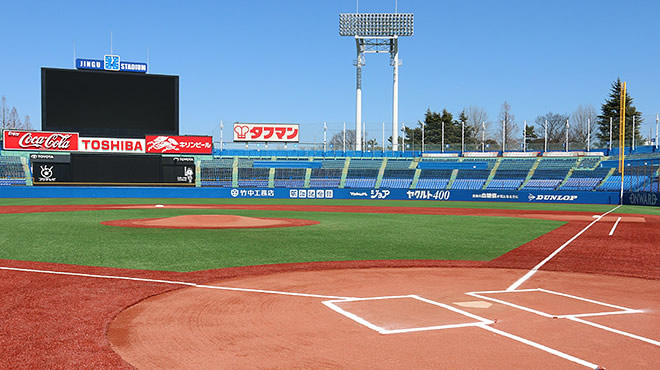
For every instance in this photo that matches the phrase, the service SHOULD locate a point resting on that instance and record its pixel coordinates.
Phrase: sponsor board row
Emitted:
(430, 195)
(73, 142)
(642, 198)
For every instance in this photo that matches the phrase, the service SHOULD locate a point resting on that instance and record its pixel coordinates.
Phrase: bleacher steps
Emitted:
(308, 176)
(454, 172)
(234, 173)
(492, 173)
(415, 180)
(531, 173)
(568, 175)
(271, 177)
(381, 171)
(610, 173)
(27, 171)
(413, 164)
(344, 172)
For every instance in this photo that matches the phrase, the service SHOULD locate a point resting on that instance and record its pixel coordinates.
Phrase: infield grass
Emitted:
(79, 238)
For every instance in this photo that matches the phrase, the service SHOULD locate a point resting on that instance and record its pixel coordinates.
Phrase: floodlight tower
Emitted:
(376, 33)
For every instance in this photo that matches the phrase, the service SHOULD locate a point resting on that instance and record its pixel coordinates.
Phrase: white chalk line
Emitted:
(172, 282)
(334, 305)
(541, 347)
(620, 332)
(533, 271)
(614, 227)
(573, 317)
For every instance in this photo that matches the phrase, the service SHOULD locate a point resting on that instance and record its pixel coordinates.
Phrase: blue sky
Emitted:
(283, 61)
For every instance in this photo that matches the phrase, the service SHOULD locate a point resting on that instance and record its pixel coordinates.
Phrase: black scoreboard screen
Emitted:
(109, 104)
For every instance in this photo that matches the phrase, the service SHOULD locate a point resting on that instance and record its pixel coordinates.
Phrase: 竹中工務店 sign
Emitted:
(266, 132)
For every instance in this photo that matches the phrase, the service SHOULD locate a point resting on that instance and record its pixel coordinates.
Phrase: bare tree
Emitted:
(27, 124)
(508, 124)
(580, 123)
(337, 140)
(13, 121)
(556, 126)
(477, 119)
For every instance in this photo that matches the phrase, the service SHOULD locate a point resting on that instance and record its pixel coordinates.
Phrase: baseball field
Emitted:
(228, 283)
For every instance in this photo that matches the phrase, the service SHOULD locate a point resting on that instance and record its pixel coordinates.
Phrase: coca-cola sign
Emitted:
(179, 144)
(40, 141)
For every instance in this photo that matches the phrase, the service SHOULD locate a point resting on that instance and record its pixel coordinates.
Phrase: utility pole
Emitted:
(610, 134)
(524, 136)
(483, 136)
(503, 136)
(545, 136)
(566, 135)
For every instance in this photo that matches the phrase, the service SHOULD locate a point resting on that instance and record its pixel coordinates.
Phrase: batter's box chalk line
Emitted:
(335, 306)
(610, 309)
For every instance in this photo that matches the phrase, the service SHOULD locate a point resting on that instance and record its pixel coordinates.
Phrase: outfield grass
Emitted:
(79, 238)
(596, 208)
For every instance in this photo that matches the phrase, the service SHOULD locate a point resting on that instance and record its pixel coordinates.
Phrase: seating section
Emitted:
(11, 171)
(217, 172)
(397, 179)
(361, 177)
(325, 178)
(470, 179)
(253, 177)
(630, 183)
(289, 177)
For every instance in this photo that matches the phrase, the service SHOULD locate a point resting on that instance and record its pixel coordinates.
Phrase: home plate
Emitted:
(474, 304)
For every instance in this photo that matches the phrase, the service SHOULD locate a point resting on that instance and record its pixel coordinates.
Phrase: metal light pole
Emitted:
(344, 138)
(221, 129)
(588, 134)
(566, 135)
(545, 136)
(443, 136)
(657, 118)
(524, 136)
(423, 137)
(403, 145)
(483, 136)
(462, 136)
(633, 133)
(325, 137)
(610, 134)
(503, 136)
(377, 33)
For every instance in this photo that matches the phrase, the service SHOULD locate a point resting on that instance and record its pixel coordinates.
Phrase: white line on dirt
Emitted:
(614, 227)
(173, 283)
(533, 271)
(630, 335)
(555, 352)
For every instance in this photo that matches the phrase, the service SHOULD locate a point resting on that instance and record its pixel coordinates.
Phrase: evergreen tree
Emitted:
(610, 109)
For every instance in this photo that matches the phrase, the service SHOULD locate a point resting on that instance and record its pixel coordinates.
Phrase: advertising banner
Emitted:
(179, 144)
(40, 141)
(110, 145)
(266, 132)
(642, 198)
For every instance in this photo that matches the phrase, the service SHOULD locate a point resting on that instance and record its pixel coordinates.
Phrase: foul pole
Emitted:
(622, 134)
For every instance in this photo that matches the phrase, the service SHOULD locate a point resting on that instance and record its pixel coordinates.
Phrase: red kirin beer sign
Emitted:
(40, 141)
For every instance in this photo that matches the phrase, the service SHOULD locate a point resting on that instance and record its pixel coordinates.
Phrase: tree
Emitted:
(508, 120)
(477, 119)
(337, 140)
(583, 119)
(556, 126)
(13, 121)
(610, 109)
(27, 124)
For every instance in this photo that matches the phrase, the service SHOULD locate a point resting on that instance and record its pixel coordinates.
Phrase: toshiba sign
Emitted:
(110, 145)
(40, 141)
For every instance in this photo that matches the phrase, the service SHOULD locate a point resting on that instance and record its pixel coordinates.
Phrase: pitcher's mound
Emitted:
(210, 222)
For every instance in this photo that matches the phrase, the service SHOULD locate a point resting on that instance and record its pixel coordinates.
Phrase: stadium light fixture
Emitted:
(377, 33)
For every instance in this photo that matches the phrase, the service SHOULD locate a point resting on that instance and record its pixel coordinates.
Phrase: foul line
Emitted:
(533, 271)
(630, 335)
(614, 227)
(173, 283)
(541, 347)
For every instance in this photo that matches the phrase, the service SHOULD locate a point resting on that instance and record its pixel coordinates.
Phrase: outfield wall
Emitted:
(525, 196)
(642, 198)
